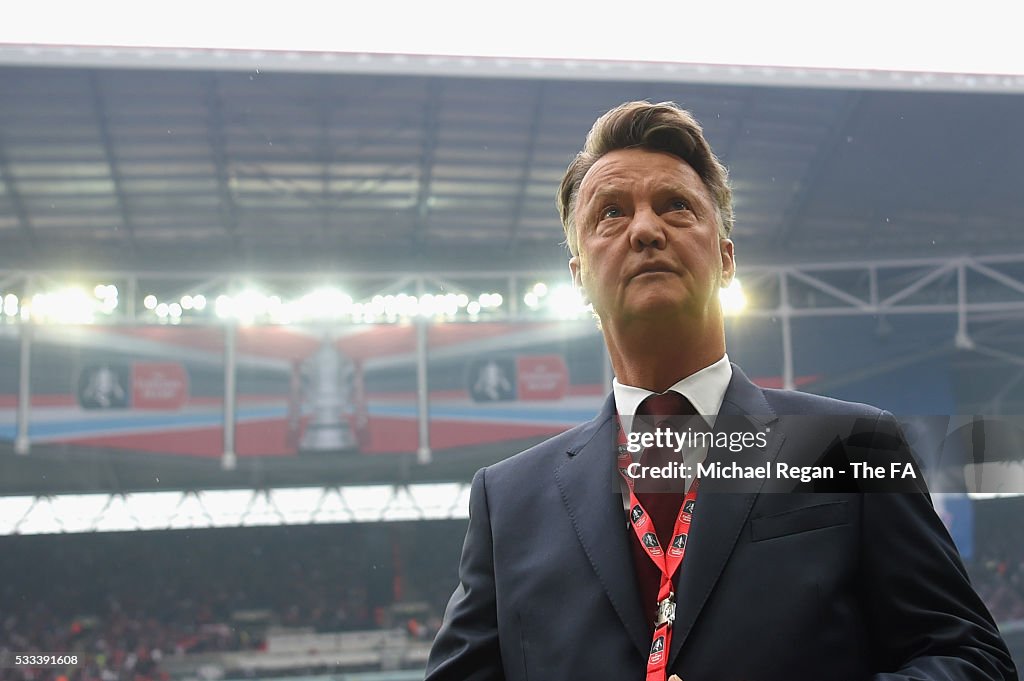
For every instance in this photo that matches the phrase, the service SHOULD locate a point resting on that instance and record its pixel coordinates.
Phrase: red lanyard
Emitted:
(667, 562)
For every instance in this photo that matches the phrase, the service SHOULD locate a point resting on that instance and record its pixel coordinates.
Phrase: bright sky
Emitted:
(980, 36)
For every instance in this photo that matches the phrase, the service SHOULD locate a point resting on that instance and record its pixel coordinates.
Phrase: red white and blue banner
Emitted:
(161, 389)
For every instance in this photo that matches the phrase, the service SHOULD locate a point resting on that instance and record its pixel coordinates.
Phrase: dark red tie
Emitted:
(660, 498)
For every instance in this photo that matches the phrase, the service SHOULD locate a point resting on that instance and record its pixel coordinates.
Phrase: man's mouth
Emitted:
(653, 270)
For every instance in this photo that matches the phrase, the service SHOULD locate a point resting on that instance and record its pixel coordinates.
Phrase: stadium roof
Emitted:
(249, 167)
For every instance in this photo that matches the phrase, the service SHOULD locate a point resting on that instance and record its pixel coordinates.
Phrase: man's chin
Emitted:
(658, 309)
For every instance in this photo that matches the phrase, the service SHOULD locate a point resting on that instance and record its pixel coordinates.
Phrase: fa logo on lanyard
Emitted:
(678, 545)
(650, 540)
(657, 650)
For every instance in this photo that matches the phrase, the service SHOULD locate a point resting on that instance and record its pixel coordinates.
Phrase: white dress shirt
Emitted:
(705, 389)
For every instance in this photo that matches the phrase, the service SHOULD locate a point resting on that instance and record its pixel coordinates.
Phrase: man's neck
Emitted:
(657, 358)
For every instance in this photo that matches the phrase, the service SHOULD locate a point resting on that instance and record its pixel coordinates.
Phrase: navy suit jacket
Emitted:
(835, 583)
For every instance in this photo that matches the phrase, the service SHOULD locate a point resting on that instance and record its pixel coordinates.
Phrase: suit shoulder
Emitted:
(543, 455)
(795, 403)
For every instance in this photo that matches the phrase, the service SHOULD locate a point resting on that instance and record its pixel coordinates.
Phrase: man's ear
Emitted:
(728, 261)
(577, 277)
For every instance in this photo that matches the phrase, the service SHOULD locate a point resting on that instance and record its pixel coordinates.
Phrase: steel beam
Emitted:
(229, 458)
(423, 453)
(218, 148)
(826, 152)
(524, 178)
(21, 438)
(107, 142)
(14, 196)
(431, 126)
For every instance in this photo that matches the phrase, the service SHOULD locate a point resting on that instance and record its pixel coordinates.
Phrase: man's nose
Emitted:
(646, 230)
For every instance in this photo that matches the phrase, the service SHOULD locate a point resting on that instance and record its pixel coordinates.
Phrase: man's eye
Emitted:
(680, 204)
(611, 212)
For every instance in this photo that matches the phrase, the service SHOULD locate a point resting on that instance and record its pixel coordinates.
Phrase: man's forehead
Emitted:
(610, 171)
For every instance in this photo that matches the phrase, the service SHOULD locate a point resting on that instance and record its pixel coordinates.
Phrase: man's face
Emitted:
(648, 239)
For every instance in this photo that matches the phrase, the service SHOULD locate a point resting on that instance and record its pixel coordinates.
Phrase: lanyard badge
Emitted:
(667, 561)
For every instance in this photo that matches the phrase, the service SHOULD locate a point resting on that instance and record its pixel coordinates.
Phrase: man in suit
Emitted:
(575, 569)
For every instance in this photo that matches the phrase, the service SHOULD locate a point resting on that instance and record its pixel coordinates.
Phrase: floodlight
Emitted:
(10, 305)
(224, 306)
(250, 304)
(376, 307)
(324, 303)
(405, 306)
(430, 305)
(567, 302)
(733, 299)
(490, 299)
(66, 306)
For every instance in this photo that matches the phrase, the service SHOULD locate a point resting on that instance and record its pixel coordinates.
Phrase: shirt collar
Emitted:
(705, 389)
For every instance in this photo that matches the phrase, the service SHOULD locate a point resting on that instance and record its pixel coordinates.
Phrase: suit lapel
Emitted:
(720, 516)
(587, 483)
(586, 480)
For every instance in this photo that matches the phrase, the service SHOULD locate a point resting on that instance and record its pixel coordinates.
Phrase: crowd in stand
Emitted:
(127, 602)
(997, 568)
(1001, 585)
